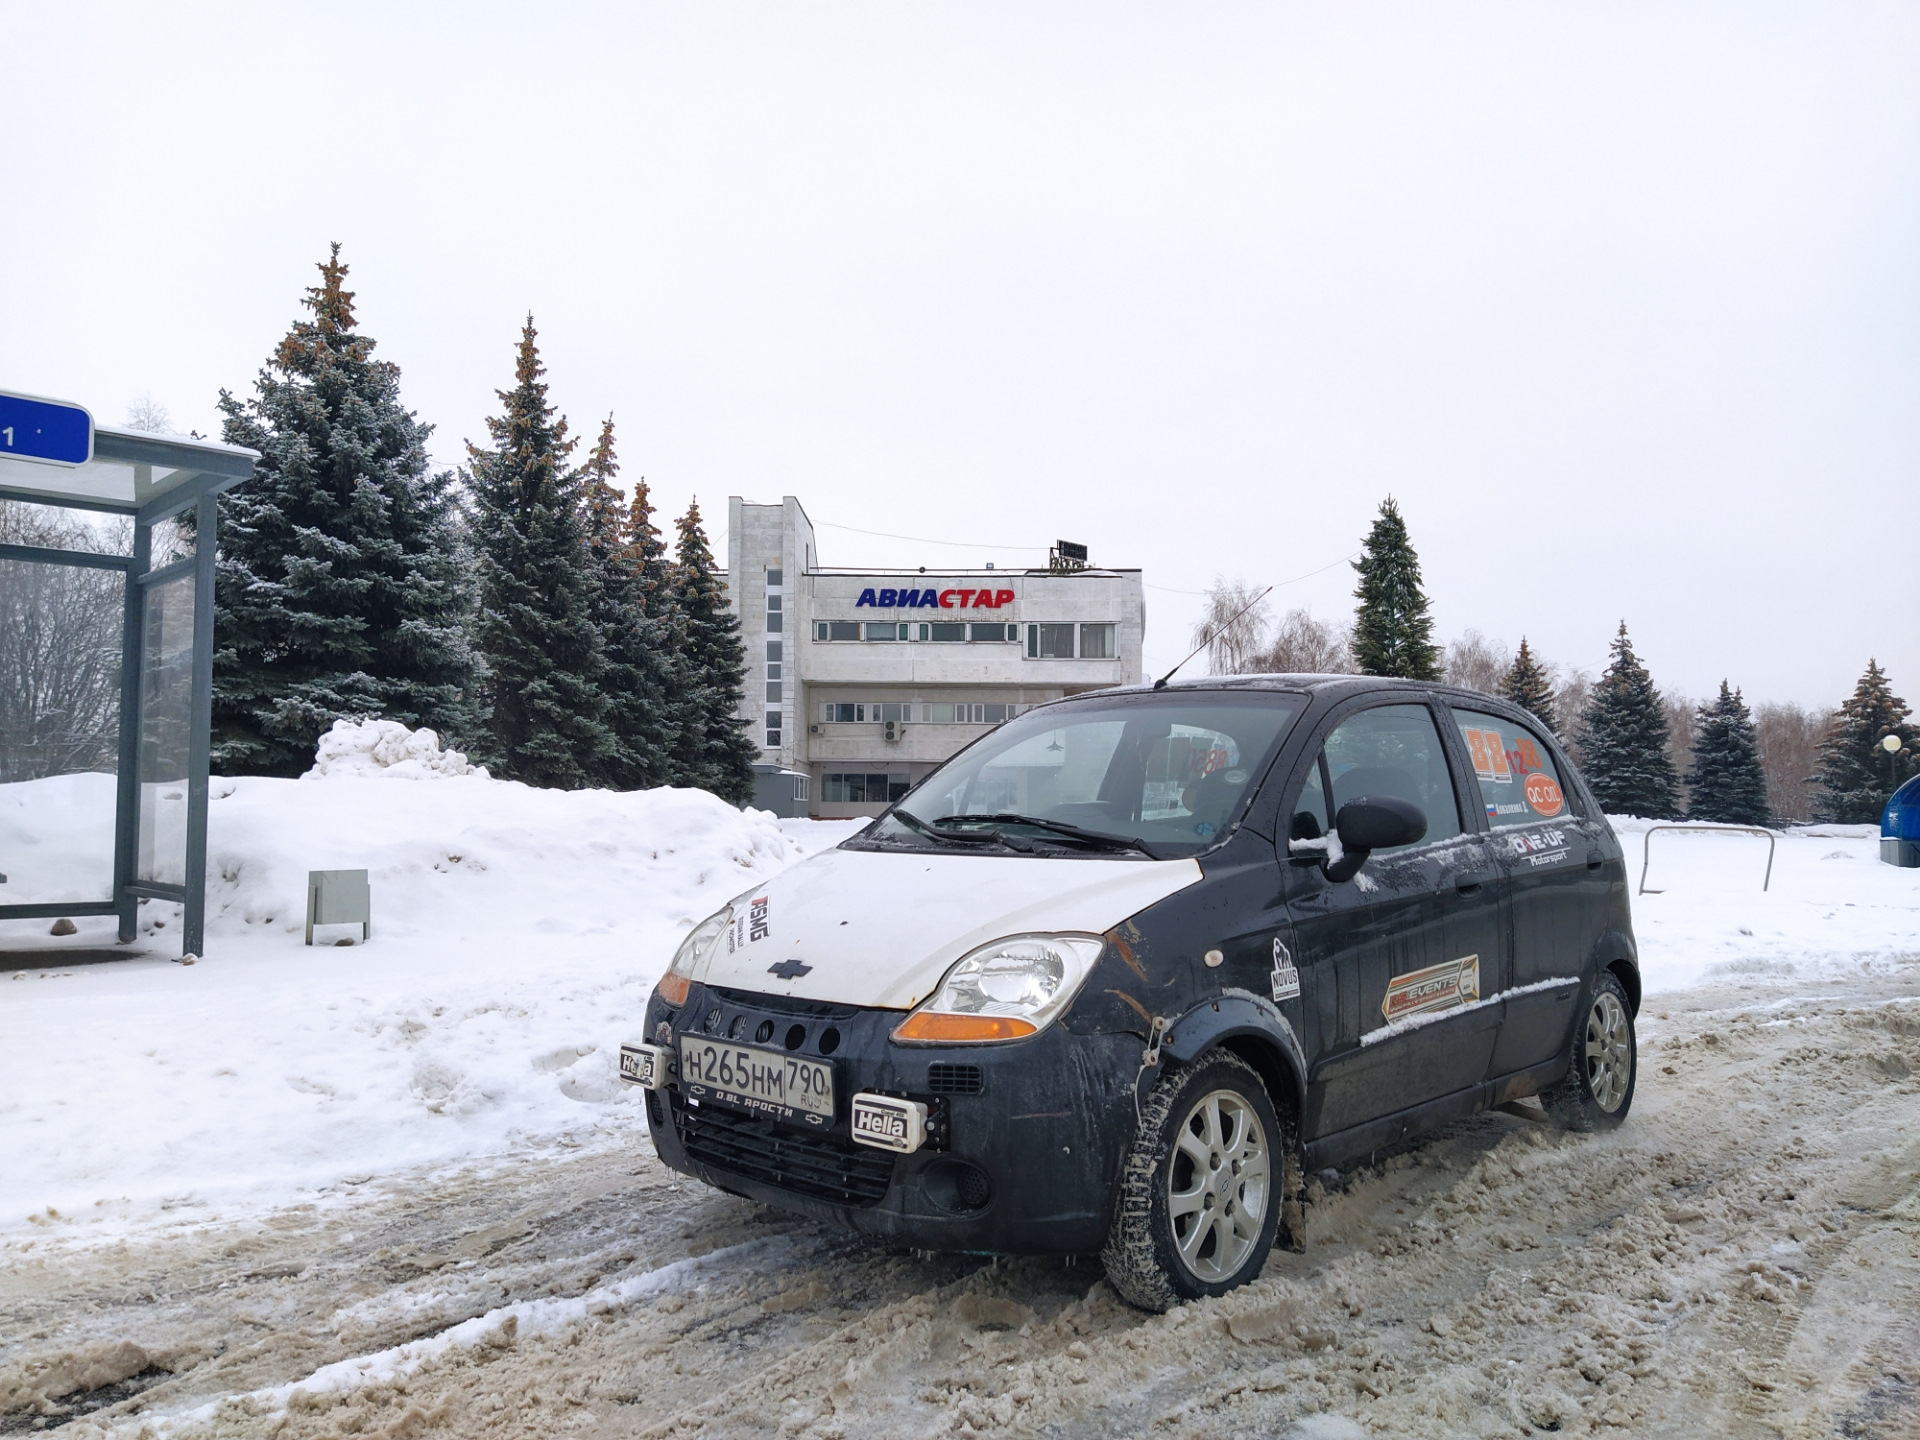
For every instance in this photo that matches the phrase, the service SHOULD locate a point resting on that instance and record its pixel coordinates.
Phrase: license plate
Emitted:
(770, 1082)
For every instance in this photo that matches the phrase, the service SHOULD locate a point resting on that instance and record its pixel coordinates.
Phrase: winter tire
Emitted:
(1202, 1186)
(1598, 1090)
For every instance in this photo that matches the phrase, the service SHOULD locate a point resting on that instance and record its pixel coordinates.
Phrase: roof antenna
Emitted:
(1161, 683)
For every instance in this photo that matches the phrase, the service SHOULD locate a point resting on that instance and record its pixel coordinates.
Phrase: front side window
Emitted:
(1514, 772)
(1391, 750)
(1170, 770)
(1096, 642)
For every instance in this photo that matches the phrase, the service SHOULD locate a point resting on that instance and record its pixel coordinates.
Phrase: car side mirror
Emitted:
(1369, 823)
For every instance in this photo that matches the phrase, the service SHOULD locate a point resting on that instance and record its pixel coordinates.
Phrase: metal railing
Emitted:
(1702, 828)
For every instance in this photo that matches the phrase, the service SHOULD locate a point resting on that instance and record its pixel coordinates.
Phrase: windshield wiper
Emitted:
(914, 822)
(1058, 827)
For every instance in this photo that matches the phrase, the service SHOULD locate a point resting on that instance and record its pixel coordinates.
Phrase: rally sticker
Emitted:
(1543, 794)
(1286, 978)
(1438, 987)
(750, 926)
(1489, 755)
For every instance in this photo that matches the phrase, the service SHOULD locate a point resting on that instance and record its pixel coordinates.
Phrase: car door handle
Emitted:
(1469, 887)
(1595, 860)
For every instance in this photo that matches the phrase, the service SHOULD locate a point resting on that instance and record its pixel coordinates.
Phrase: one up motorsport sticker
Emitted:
(1286, 978)
(750, 926)
(1539, 847)
(1445, 986)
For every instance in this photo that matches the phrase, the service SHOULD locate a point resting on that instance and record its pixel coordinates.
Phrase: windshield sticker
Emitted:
(1494, 812)
(1286, 978)
(1204, 830)
(1543, 794)
(1438, 987)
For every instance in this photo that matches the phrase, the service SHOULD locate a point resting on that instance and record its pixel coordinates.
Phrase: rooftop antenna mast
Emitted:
(1209, 636)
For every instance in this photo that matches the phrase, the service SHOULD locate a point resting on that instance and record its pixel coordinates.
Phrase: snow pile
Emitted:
(388, 750)
(516, 934)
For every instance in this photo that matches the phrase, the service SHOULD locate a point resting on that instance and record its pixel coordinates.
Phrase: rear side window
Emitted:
(1519, 783)
(1392, 750)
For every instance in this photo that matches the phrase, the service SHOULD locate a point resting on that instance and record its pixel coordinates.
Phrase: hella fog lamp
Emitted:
(698, 946)
(1004, 991)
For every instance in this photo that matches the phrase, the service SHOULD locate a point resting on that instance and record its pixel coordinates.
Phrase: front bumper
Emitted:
(1026, 1136)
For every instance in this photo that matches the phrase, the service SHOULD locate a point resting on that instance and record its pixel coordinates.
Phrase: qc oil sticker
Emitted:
(1543, 794)
(1444, 986)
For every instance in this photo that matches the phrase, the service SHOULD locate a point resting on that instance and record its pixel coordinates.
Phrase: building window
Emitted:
(773, 622)
(773, 579)
(773, 650)
(773, 602)
(860, 788)
(773, 692)
(773, 670)
(1096, 642)
(800, 786)
(773, 740)
(837, 630)
(965, 712)
(1050, 642)
(886, 630)
(997, 633)
(944, 634)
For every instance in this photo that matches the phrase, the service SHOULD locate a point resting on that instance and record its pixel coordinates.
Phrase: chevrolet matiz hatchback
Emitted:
(1119, 974)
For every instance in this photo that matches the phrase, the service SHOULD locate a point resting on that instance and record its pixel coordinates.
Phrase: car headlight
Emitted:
(1008, 990)
(698, 946)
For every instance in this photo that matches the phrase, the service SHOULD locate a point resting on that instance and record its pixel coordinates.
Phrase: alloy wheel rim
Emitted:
(1609, 1051)
(1218, 1185)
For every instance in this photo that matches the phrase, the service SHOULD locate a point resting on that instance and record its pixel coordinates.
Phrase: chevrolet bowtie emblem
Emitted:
(789, 969)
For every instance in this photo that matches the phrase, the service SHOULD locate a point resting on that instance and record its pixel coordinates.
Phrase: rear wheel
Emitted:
(1200, 1195)
(1598, 1090)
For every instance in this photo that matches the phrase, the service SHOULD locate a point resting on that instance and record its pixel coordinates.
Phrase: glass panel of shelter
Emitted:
(60, 634)
(166, 708)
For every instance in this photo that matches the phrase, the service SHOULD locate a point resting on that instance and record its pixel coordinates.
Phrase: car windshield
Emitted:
(1160, 774)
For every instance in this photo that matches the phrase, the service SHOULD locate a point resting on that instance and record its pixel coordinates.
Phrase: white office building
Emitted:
(863, 681)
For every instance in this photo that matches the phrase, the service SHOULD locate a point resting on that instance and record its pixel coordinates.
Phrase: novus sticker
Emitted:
(1438, 987)
(1286, 978)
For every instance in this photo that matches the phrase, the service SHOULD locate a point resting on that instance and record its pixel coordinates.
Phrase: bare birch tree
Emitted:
(1789, 738)
(1476, 663)
(1233, 639)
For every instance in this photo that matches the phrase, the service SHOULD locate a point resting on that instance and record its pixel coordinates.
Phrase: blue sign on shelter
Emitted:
(51, 431)
(1900, 827)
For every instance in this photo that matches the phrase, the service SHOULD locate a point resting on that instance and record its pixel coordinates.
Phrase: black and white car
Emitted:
(1119, 974)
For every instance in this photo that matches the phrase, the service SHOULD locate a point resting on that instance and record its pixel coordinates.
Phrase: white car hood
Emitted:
(880, 928)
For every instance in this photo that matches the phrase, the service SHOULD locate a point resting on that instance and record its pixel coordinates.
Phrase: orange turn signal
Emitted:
(673, 988)
(932, 1025)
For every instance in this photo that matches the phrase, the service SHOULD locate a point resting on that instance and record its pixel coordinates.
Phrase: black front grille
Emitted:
(817, 1166)
(947, 1079)
(785, 1004)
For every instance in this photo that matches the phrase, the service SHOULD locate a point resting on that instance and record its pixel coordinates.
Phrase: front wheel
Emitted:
(1598, 1090)
(1200, 1195)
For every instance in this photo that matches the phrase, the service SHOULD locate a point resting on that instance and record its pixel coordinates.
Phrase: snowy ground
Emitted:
(395, 1189)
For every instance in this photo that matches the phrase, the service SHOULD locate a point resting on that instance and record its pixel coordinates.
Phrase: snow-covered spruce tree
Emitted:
(1392, 632)
(715, 751)
(338, 590)
(1856, 774)
(1527, 686)
(638, 677)
(546, 719)
(1623, 737)
(1726, 782)
(645, 553)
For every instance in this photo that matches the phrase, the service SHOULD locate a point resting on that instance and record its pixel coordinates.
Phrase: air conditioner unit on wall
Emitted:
(891, 730)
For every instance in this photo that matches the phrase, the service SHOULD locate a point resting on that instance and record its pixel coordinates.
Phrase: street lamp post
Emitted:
(1891, 744)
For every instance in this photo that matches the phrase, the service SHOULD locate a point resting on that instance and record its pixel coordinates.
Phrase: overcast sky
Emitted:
(1621, 302)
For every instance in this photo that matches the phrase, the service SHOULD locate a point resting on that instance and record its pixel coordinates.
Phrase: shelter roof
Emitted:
(131, 473)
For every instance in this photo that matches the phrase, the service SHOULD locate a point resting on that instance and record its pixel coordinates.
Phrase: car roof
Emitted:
(1328, 687)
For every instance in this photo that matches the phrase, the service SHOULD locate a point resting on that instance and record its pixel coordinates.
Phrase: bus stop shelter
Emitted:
(107, 567)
